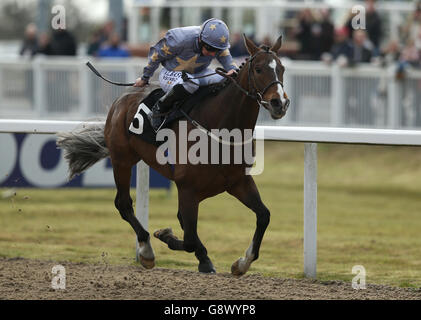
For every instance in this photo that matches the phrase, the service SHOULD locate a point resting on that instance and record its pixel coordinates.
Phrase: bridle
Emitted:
(256, 94)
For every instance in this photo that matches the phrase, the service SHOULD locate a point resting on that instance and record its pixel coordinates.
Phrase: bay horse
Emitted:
(259, 83)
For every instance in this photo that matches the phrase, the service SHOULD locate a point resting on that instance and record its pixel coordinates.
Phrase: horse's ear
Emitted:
(250, 46)
(277, 45)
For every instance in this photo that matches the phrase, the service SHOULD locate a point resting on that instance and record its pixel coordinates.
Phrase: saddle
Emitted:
(141, 126)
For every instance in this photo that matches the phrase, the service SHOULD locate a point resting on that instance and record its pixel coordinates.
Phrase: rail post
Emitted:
(310, 209)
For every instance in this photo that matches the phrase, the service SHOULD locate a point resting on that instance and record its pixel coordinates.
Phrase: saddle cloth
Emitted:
(140, 125)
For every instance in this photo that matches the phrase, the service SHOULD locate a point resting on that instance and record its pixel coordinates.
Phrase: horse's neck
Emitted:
(232, 108)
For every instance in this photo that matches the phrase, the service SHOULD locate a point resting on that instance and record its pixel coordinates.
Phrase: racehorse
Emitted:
(259, 83)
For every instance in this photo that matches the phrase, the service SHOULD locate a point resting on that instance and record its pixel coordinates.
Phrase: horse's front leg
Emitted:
(246, 191)
(187, 215)
(123, 203)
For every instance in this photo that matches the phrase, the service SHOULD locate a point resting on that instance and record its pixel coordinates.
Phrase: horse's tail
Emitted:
(83, 148)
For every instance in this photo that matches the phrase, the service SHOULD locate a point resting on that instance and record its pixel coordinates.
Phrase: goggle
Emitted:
(210, 48)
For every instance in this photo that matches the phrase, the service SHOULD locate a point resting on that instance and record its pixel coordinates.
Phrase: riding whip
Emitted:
(90, 66)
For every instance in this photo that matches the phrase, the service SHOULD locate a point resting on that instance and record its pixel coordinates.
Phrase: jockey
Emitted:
(189, 49)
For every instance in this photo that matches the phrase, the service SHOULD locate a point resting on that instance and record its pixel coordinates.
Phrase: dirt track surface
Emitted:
(31, 279)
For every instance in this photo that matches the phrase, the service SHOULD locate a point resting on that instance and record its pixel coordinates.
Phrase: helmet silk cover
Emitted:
(215, 33)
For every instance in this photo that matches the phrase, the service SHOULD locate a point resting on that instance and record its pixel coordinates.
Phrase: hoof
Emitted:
(235, 269)
(145, 255)
(207, 267)
(161, 233)
(146, 263)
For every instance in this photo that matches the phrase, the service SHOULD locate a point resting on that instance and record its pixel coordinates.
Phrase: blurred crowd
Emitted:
(57, 43)
(316, 36)
(319, 39)
(104, 42)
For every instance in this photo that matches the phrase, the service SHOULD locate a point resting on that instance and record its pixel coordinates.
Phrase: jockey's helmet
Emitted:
(215, 34)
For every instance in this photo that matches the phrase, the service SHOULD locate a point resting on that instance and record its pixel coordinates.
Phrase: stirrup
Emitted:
(155, 121)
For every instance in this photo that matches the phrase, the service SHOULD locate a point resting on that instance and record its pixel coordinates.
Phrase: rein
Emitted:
(211, 135)
(258, 97)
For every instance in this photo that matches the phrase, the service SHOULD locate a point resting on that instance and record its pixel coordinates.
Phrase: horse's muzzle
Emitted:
(279, 109)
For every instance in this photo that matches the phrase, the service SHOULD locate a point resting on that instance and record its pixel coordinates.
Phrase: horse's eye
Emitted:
(258, 70)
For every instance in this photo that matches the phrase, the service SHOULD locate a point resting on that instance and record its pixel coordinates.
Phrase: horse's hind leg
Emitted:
(246, 191)
(187, 215)
(167, 236)
(123, 203)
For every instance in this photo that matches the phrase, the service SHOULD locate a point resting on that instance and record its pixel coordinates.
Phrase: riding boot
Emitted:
(163, 105)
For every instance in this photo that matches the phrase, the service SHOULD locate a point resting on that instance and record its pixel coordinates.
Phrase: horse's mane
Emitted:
(227, 84)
